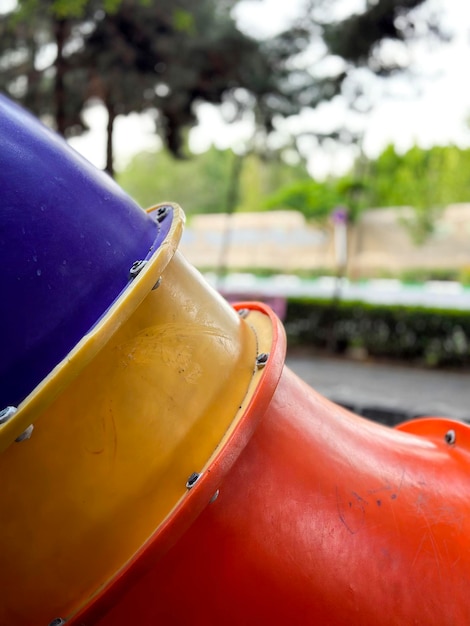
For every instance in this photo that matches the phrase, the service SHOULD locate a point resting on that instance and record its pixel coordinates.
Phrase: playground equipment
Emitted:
(160, 464)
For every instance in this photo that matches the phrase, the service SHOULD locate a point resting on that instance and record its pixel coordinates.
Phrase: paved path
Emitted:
(388, 393)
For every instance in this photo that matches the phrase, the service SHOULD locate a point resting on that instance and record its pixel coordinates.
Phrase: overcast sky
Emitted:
(428, 111)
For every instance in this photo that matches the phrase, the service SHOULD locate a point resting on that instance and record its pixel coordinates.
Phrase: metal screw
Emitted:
(7, 413)
(26, 434)
(214, 497)
(243, 313)
(162, 212)
(261, 360)
(192, 480)
(136, 268)
(58, 621)
(157, 284)
(450, 437)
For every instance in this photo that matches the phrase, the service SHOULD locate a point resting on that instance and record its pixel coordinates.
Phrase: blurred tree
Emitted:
(424, 179)
(198, 184)
(314, 199)
(37, 38)
(261, 176)
(362, 38)
(420, 177)
(202, 184)
(168, 55)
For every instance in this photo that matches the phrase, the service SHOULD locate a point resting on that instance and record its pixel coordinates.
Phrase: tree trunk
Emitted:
(109, 139)
(231, 204)
(60, 70)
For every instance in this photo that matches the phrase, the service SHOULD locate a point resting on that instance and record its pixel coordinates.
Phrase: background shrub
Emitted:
(433, 337)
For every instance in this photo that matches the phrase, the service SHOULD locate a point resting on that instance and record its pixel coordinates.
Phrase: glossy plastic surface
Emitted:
(68, 238)
(325, 518)
(110, 456)
(297, 511)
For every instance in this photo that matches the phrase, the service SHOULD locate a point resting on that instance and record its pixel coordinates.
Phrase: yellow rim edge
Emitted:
(262, 328)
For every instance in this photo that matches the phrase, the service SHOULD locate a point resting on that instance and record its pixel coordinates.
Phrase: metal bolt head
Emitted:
(7, 413)
(136, 268)
(26, 434)
(243, 313)
(157, 284)
(450, 437)
(192, 480)
(262, 359)
(58, 621)
(162, 212)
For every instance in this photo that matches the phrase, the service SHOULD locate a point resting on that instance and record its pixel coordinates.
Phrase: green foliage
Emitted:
(64, 9)
(260, 177)
(425, 336)
(270, 184)
(464, 276)
(198, 184)
(421, 275)
(69, 8)
(420, 178)
(426, 180)
(315, 200)
(183, 21)
(202, 183)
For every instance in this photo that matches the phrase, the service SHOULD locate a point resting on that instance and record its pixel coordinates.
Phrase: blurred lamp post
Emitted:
(339, 217)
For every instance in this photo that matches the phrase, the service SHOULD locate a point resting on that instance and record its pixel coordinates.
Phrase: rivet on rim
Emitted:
(192, 480)
(262, 359)
(450, 437)
(7, 413)
(157, 284)
(136, 268)
(243, 313)
(162, 212)
(26, 434)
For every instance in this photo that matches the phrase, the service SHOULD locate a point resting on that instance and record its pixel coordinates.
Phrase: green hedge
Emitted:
(429, 336)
